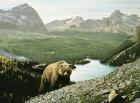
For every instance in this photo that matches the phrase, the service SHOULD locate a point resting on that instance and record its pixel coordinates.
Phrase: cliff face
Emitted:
(22, 17)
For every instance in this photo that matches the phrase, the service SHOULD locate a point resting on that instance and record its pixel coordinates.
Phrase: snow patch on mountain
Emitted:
(117, 22)
(22, 17)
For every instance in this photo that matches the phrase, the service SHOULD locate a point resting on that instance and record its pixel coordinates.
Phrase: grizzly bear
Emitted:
(54, 76)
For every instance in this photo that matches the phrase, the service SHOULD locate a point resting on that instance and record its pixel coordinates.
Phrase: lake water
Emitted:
(91, 70)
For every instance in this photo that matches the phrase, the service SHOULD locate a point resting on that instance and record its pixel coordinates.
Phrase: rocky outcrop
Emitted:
(125, 80)
(22, 17)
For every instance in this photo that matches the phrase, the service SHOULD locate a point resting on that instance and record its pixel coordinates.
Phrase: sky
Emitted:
(50, 10)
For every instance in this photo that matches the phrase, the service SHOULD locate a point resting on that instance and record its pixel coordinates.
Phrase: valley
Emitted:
(28, 45)
(54, 46)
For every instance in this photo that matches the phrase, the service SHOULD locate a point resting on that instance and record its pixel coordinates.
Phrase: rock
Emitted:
(122, 85)
(119, 75)
(124, 96)
(137, 100)
(102, 92)
(128, 82)
(114, 97)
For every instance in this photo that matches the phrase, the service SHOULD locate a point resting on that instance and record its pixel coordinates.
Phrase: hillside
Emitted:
(127, 52)
(22, 17)
(18, 80)
(117, 23)
(125, 80)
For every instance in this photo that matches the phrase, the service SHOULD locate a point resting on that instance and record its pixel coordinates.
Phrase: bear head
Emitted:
(65, 69)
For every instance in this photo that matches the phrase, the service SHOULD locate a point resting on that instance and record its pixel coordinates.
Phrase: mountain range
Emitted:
(22, 17)
(117, 22)
(25, 18)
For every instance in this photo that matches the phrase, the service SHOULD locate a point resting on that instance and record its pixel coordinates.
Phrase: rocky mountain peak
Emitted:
(22, 17)
(116, 13)
(25, 5)
(24, 9)
(78, 18)
(69, 23)
(75, 19)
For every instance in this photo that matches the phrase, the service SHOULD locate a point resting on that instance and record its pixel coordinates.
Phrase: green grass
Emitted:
(126, 44)
(67, 45)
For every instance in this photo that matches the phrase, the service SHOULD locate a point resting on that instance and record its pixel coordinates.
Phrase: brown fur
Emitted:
(55, 75)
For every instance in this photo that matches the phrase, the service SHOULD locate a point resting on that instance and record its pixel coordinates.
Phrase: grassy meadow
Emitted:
(67, 45)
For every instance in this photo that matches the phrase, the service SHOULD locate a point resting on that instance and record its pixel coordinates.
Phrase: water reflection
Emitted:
(90, 71)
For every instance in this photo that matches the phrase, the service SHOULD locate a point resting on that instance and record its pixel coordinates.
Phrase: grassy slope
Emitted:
(126, 44)
(68, 45)
(127, 55)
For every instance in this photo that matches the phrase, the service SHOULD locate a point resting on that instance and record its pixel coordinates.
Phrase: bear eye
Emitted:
(61, 65)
